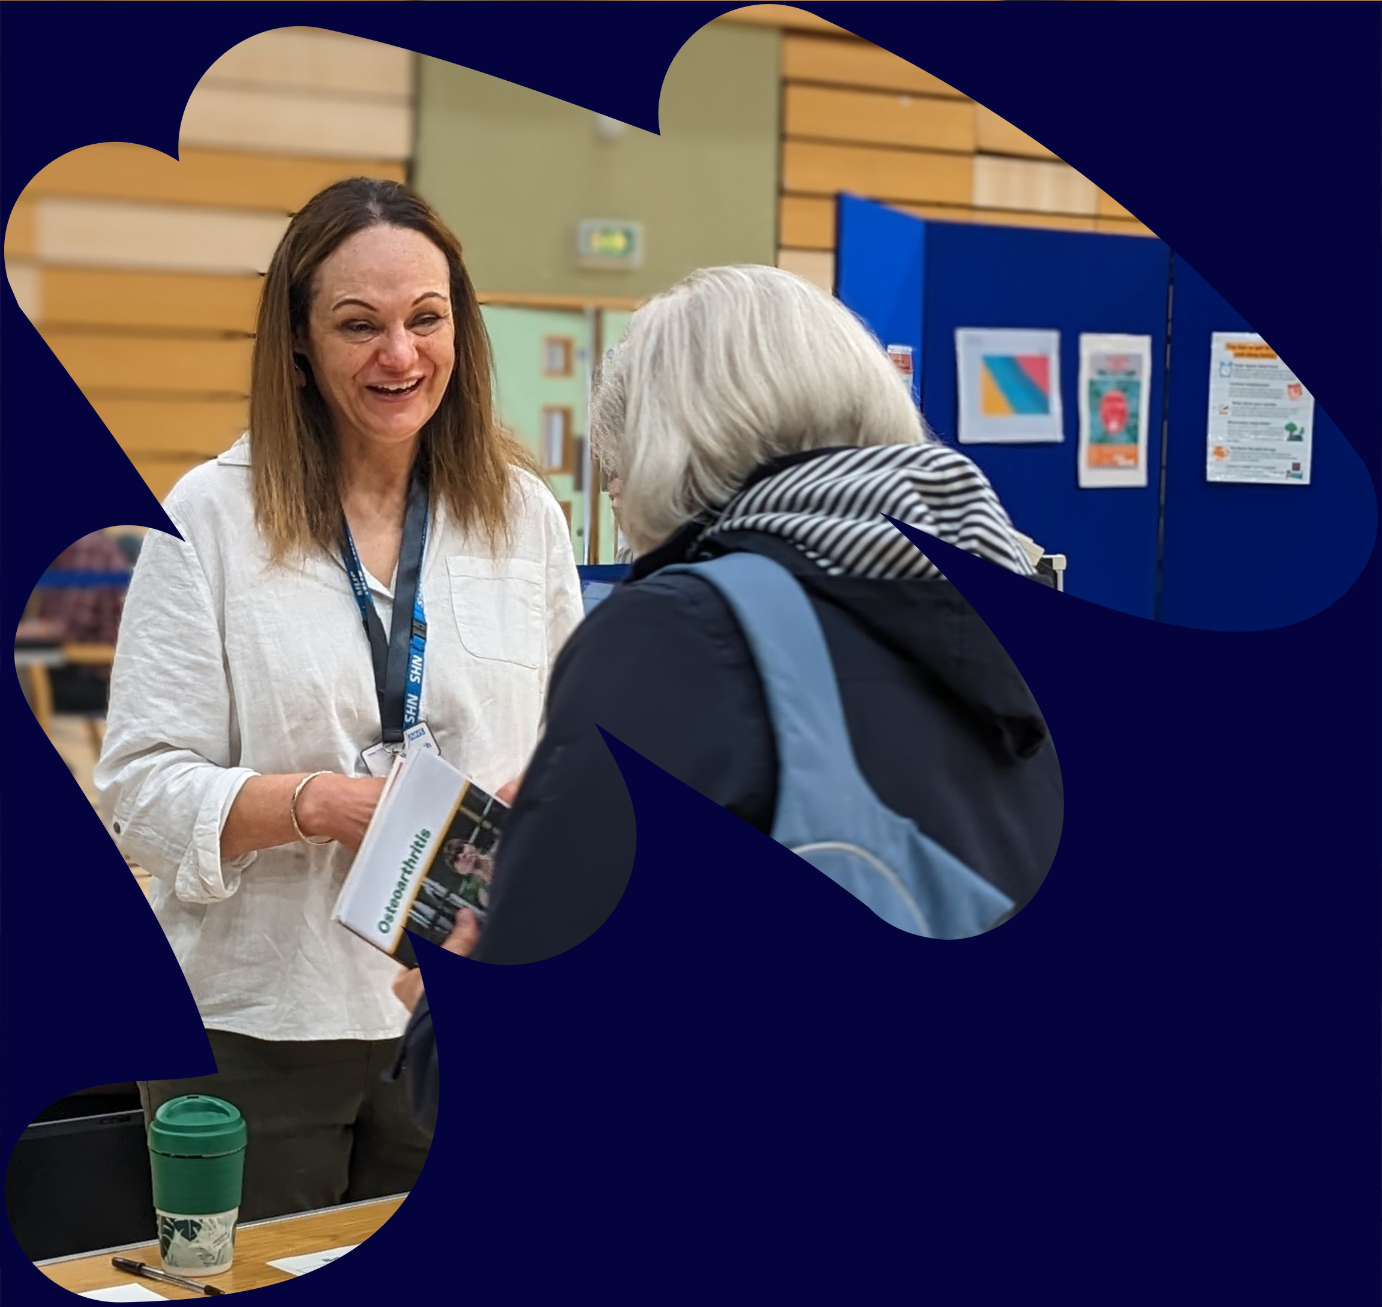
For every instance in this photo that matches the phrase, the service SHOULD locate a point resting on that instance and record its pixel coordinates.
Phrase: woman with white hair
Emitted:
(747, 410)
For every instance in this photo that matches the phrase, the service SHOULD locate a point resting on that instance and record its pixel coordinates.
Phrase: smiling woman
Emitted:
(373, 525)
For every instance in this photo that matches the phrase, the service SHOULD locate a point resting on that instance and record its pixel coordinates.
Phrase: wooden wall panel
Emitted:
(855, 63)
(1030, 185)
(879, 118)
(289, 122)
(857, 118)
(1110, 208)
(815, 169)
(26, 281)
(224, 178)
(107, 298)
(806, 222)
(995, 135)
(122, 233)
(133, 363)
(786, 17)
(19, 230)
(816, 266)
(172, 428)
(312, 58)
(162, 474)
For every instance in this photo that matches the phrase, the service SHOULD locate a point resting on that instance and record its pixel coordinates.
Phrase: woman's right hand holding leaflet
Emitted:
(329, 807)
(339, 807)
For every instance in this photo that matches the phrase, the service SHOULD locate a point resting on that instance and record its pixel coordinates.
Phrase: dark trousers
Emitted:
(324, 1126)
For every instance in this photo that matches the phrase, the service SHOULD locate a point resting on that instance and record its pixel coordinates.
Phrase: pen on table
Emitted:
(149, 1273)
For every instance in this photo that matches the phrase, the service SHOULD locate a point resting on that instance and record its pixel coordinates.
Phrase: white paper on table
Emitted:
(1114, 395)
(1261, 419)
(124, 1293)
(312, 1261)
(1009, 384)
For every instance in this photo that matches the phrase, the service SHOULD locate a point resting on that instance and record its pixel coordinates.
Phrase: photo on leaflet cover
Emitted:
(459, 876)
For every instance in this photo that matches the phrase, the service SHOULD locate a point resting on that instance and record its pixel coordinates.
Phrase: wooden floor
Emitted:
(75, 739)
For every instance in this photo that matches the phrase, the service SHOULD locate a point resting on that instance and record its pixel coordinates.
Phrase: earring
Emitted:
(299, 376)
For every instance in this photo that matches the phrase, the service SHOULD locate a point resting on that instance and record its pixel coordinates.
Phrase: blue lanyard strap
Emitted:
(398, 660)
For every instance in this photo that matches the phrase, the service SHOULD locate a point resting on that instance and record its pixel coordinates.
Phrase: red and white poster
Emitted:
(1115, 385)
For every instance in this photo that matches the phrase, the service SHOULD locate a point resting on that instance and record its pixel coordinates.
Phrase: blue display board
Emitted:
(1250, 557)
(977, 276)
(880, 264)
(1201, 554)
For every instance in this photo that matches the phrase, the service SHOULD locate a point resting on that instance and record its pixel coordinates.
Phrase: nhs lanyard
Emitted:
(398, 660)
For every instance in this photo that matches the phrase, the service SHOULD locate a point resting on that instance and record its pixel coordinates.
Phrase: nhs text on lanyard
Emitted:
(398, 660)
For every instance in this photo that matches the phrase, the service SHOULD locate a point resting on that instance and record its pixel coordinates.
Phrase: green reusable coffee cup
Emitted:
(197, 1159)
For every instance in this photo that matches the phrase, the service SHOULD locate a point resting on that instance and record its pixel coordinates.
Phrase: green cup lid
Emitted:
(197, 1125)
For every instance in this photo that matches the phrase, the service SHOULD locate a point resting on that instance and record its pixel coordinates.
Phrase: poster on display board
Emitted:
(1009, 386)
(1261, 419)
(1115, 379)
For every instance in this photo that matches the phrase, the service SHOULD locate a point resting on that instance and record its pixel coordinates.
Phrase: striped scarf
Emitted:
(831, 507)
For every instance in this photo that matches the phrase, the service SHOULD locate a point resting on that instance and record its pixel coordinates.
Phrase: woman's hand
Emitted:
(508, 793)
(465, 936)
(329, 807)
(407, 985)
(339, 807)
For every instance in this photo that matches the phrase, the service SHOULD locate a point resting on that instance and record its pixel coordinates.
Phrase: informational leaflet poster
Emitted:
(1261, 419)
(1009, 386)
(1115, 381)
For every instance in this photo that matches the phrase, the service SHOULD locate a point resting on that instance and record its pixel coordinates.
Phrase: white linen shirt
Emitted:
(227, 667)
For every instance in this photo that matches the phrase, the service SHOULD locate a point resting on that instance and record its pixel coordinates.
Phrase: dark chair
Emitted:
(80, 1184)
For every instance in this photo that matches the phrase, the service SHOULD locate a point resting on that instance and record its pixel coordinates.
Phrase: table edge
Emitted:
(248, 1225)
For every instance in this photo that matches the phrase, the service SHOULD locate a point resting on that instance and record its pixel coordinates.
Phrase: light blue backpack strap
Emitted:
(794, 665)
(888, 864)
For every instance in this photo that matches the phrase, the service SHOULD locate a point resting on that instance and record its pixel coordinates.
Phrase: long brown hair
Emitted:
(467, 457)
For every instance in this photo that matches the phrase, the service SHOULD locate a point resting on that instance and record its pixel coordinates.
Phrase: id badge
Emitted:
(420, 738)
(379, 758)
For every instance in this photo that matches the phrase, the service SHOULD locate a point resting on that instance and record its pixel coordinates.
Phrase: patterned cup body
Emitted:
(203, 1244)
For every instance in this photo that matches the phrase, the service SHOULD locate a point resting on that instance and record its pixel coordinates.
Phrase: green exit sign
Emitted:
(606, 243)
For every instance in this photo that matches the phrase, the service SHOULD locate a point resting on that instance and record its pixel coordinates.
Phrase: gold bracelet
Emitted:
(293, 809)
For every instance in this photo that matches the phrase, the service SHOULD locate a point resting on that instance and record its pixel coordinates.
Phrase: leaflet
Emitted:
(1261, 419)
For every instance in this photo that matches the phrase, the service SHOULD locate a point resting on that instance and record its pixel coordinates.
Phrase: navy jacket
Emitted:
(416, 1066)
(943, 727)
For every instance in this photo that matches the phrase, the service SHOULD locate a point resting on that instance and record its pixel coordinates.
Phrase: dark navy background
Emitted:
(1157, 1085)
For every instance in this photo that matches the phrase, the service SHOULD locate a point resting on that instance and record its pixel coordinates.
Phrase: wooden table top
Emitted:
(256, 1245)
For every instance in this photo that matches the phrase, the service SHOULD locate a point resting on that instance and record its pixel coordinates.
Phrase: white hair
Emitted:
(727, 369)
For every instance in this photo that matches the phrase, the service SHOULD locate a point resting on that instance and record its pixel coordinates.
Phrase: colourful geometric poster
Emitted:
(1014, 383)
(1009, 386)
(1115, 374)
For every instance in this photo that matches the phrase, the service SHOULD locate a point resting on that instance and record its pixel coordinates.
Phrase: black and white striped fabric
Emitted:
(832, 508)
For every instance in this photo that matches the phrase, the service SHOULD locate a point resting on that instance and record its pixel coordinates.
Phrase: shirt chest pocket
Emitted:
(498, 607)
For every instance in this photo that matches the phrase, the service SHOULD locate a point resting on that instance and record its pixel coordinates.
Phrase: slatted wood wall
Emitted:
(142, 272)
(857, 118)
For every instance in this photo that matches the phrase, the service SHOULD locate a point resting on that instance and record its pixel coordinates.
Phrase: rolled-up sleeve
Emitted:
(166, 781)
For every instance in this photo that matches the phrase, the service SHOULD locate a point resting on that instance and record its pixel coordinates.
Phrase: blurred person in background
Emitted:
(83, 615)
(375, 553)
(747, 410)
